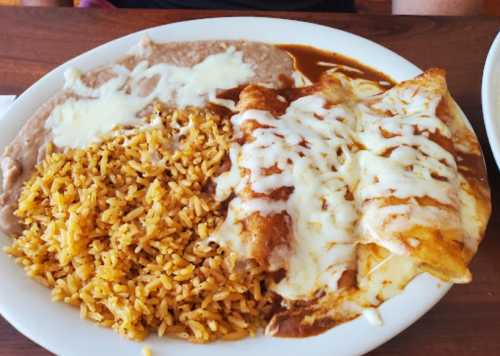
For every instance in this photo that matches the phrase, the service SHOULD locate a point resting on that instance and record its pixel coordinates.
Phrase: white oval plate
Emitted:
(58, 327)
(490, 93)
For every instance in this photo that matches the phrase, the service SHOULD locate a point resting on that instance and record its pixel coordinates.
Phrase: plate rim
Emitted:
(490, 86)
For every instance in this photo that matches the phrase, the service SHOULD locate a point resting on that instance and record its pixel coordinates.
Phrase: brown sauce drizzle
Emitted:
(231, 94)
(307, 60)
(472, 167)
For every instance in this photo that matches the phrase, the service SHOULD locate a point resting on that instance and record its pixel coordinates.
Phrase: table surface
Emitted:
(467, 320)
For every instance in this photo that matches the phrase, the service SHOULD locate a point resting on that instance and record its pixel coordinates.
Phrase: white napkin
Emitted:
(5, 103)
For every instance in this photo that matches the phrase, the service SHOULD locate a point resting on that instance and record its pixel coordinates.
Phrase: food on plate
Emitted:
(208, 190)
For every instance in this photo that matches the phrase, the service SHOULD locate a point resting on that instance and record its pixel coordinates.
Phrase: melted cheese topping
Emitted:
(401, 161)
(303, 143)
(81, 121)
(374, 148)
(406, 171)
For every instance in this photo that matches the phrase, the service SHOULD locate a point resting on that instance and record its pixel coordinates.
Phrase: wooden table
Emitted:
(467, 320)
